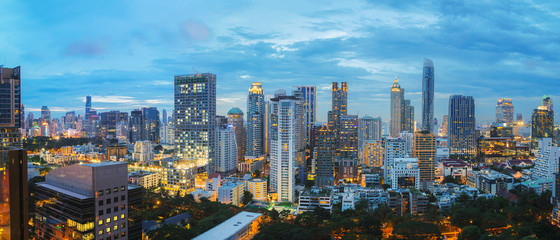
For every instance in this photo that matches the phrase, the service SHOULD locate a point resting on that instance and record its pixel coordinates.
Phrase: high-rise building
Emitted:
(542, 124)
(462, 125)
(547, 102)
(11, 107)
(150, 124)
(394, 148)
(179, 178)
(369, 129)
(428, 95)
(164, 117)
(88, 107)
(167, 134)
(195, 115)
(143, 152)
(135, 126)
(283, 145)
(324, 153)
(408, 116)
(46, 114)
(408, 137)
(89, 201)
(109, 122)
(309, 94)
(221, 122)
(348, 136)
(225, 159)
(14, 214)
(339, 107)
(255, 121)
(235, 121)
(548, 157)
(519, 118)
(504, 110)
(397, 100)
(444, 126)
(372, 153)
(425, 150)
(406, 173)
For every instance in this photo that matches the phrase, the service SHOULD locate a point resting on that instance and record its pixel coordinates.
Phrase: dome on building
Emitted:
(235, 111)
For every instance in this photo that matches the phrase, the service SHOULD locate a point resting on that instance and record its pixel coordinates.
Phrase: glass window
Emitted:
(115, 218)
(100, 232)
(122, 198)
(108, 191)
(108, 210)
(108, 201)
(100, 222)
(100, 193)
(116, 208)
(116, 199)
(100, 212)
(116, 189)
(122, 188)
(100, 202)
(122, 216)
(108, 230)
(108, 220)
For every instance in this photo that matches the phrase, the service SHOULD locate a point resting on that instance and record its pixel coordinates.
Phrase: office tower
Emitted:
(425, 150)
(135, 126)
(46, 114)
(519, 118)
(309, 94)
(89, 201)
(444, 126)
(548, 157)
(462, 125)
(408, 116)
(88, 107)
(372, 153)
(369, 129)
(339, 107)
(255, 121)
(143, 152)
(547, 102)
(164, 117)
(324, 153)
(221, 122)
(428, 95)
(30, 119)
(301, 121)
(69, 120)
(348, 136)
(397, 100)
(408, 137)
(195, 113)
(504, 110)
(225, 159)
(283, 145)
(11, 108)
(14, 214)
(235, 121)
(150, 124)
(406, 173)
(109, 122)
(394, 148)
(167, 134)
(542, 124)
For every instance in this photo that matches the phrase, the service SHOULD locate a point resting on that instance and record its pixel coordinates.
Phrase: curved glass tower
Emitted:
(428, 95)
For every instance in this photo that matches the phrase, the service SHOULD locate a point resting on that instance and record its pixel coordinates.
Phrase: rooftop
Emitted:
(453, 163)
(230, 226)
(64, 191)
(103, 164)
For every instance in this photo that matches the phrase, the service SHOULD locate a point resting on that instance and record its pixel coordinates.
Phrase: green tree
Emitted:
(449, 179)
(463, 217)
(416, 230)
(470, 233)
(247, 197)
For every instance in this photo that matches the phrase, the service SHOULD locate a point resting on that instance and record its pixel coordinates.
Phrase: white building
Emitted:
(242, 226)
(283, 134)
(257, 187)
(442, 153)
(369, 129)
(394, 148)
(489, 181)
(408, 137)
(145, 179)
(225, 158)
(231, 192)
(310, 199)
(405, 173)
(143, 151)
(547, 160)
(167, 134)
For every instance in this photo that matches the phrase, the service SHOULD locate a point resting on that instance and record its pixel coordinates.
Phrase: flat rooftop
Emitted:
(64, 191)
(103, 164)
(230, 226)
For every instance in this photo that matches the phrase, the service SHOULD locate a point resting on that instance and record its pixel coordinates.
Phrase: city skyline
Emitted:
(323, 44)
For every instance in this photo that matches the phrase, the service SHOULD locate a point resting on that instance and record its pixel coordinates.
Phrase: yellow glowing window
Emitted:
(108, 220)
(100, 222)
(122, 216)
(108, 230)
(115, 227)
(100, 232)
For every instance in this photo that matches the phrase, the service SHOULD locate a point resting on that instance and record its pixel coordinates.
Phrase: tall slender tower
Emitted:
(424, 148)
(309, 94)
(164, 117)
(235, 121)
(11, 108)
(428, 95)
(324, 153)
(504, 110)
(255, 121)
(397, 97)
(462, 125)
(408, 117)
(283, 145)
(339, 104)
(195, 118)
(88, 106)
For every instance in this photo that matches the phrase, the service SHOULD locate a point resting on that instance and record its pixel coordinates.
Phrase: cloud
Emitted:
(110, 99)
(196, 31)
(84, 49)
(162, 82)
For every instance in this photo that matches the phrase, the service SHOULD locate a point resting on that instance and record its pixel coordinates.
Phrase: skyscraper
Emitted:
(504, 110)
(408, 116)
(225, 160)
(348, 136)
(547, 102)
(150, 124)
(339, 104)
(283, 145)
(397, 97)
(13, 194)
(164, 117)
(309, 94)
(445, 125)
(462, 125)
(135, 126)
(428, 95)
(235, 121)
(368, 129)
(394, 148)
(46, 114)
(255, 121)
(425, 150)
(324, 153)
(542, 125)
(195, 115)
(88, 106)
(10, 107)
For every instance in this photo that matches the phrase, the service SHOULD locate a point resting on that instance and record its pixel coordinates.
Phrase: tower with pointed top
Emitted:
(397, 97)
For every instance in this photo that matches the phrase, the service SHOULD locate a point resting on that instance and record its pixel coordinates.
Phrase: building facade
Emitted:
(425, 150)
(504, 111)
(397, 100)
(325, 151)
(462, 125)
(225, 160)
(11, 118)
(428, 95)
(255, 121)
(235, 121)
(394, 148)
(369, 129)
(309, 94)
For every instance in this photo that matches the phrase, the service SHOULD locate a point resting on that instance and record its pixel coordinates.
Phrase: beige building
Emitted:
(425, 150)
(372, 154)
(257, 187)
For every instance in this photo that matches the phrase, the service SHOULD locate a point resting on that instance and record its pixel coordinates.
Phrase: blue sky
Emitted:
(125, 53)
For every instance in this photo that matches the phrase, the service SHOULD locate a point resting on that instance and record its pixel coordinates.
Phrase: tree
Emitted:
(158, 148)
(463, 217)
(247, 197)
(470, 233)
(449, 179)
(257, 174)
(416, 230)
(321, 213)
